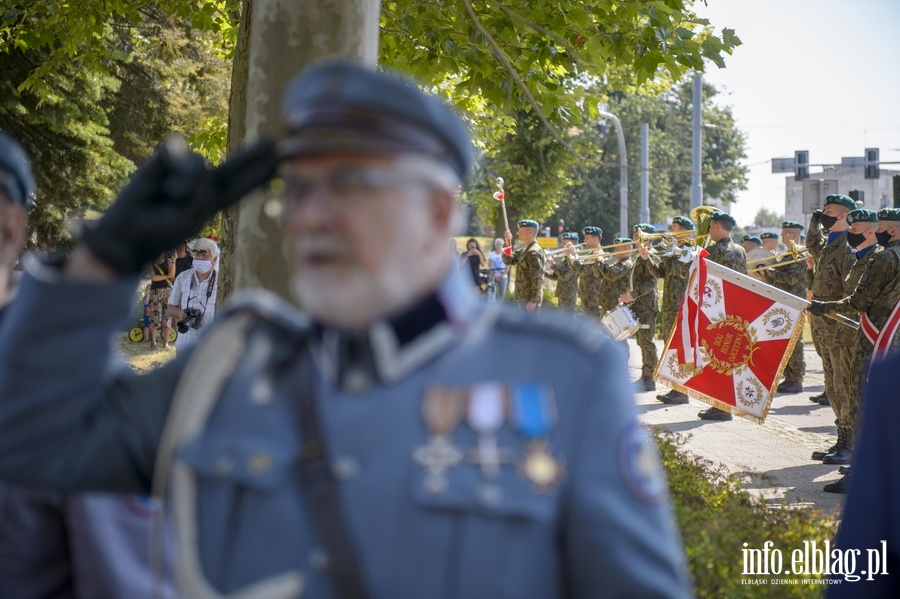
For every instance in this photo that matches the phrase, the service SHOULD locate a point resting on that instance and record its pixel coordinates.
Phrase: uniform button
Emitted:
(260, 463)
(489, 496)
(318, 559)
(345, 467)
(261, 391)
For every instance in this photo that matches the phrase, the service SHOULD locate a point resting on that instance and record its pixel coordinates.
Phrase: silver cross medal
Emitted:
(485, 415)
(442, 411)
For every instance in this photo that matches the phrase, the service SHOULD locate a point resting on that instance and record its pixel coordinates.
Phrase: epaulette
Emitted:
(569, 329)
(269, 307)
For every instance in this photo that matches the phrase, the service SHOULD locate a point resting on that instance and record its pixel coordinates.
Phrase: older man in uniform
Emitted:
(53, 544)
(833, 261)
(373, 446)
(673, 270)
(643, 298)
(529, 263)
(726, 252)
(790, 277)
(563, 271)
(875, 298)
(589, 280)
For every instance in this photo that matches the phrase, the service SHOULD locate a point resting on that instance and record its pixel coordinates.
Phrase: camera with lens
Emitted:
(193, 319)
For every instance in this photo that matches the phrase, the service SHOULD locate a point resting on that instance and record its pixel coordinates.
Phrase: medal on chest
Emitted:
(534, 416)
(442, 410)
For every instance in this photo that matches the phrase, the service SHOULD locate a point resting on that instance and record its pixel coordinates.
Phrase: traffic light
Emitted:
(872, 169)
(801, 165)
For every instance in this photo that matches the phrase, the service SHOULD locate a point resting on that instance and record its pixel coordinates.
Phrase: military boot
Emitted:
(844, 452)
(663, 396)
(790, 387)
(714, 414)
(645, 383)
(675, 399)
(818, 398)
(820, 455)
(838, 486)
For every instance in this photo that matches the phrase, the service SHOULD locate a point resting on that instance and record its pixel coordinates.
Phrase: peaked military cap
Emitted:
(646, 228)
(591, 230)
(684, 222)
(770, 235)
(529, 223)
(723, 216)
(862, 215)
(841, 200)
(16, 179)
(791, 224)
(573, 235)
(889, 214)
(341, 106)
(623, 240)
(752, 238)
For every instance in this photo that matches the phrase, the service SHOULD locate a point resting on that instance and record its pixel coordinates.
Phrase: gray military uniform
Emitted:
(601, 529)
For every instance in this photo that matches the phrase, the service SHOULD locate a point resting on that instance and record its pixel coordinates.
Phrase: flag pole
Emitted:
(501, 195)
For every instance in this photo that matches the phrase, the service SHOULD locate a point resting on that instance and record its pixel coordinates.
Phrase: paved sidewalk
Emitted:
(772, 459)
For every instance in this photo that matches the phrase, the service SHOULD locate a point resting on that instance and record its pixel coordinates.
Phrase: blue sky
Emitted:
(817, 75)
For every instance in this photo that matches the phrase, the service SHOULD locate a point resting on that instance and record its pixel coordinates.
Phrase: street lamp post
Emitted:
(623, 172)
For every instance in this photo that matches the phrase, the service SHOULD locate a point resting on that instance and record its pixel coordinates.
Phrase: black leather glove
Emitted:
(816, 217)
(817, 308)
(169, 199)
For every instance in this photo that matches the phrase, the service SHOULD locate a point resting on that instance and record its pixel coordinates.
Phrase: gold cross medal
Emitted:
(442, 411)
(534, 412)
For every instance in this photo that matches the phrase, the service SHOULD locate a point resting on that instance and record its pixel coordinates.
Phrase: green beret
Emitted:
(684, 222)
(591, 230)
(889, 214)
(646, 228)
(841, 200)
(573, 235)
(770, 235)
(752, 238)
(529, 223)
(723, 216)
(861, 215)
(791, 224)
(623, 240)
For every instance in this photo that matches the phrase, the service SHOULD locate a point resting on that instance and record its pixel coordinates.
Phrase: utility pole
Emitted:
(697, 144)
(645, 173)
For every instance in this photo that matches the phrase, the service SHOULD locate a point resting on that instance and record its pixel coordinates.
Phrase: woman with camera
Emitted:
(192, 302)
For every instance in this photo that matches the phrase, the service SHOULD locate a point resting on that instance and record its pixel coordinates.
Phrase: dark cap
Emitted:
(841, 200)
(769, 235)
(592, 230)
(889, 214)
(722, 216)
(684, 222)
(16, 179)
(570, 235)
(791, 224)
(532, 224)
(347, 107)
(623, 240)
(752, 238)
(646, 228)
(862, 215)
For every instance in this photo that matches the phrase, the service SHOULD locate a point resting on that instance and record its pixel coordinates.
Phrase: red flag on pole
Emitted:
(732, 340)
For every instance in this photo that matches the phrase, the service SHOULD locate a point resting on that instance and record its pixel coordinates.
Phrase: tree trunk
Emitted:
(278, 38)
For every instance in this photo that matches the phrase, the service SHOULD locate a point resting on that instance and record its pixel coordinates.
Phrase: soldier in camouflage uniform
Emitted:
(615, 274)
(643, 300)
(726, 252)
(674, 273)
(770, 241)
(833, 263)
(874, 297)
(529, 263)
(792, 279)
(563, 271)
(589, 280)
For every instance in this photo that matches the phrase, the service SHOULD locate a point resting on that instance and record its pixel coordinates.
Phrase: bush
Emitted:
(717, 517)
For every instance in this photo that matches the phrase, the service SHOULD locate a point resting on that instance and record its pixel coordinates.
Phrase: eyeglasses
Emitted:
(201, 254)
(348, 183)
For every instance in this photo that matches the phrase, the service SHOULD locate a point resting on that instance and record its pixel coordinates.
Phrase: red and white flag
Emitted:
(732, 341)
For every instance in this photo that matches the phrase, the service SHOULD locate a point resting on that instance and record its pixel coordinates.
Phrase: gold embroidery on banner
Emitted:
(682, 371)
(712, 293)
(780, 321)
(750, 392)
(732, 347)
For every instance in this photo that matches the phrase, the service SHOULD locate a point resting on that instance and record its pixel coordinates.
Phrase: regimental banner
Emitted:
(733, 339)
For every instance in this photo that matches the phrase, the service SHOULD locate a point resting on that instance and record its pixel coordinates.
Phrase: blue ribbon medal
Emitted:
(534, 415)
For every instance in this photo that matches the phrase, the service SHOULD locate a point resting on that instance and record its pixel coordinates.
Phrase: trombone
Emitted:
(562, 250)
(795, 251)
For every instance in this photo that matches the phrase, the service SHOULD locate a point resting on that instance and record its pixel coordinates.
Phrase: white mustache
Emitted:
(318, 245)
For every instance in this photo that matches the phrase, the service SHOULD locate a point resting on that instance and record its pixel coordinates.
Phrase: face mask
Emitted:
(202, 266)
(884, 238)
(855, 239)
(827, 221)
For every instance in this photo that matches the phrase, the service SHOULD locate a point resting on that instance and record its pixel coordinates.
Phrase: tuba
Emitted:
(701, 217)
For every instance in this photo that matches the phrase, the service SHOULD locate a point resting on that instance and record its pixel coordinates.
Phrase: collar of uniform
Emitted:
(834, 235)
(862, 253)
(401, 343)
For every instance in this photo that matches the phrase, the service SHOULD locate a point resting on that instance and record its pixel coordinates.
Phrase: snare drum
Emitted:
(620, 322)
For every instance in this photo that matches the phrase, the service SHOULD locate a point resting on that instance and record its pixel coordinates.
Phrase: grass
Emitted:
(139, 355)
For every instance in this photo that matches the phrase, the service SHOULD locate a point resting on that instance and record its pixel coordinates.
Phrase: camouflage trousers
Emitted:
(825, 334)
(644, 338)
(855, 358)
(668, 323)
(566, 303)
(796, 366)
